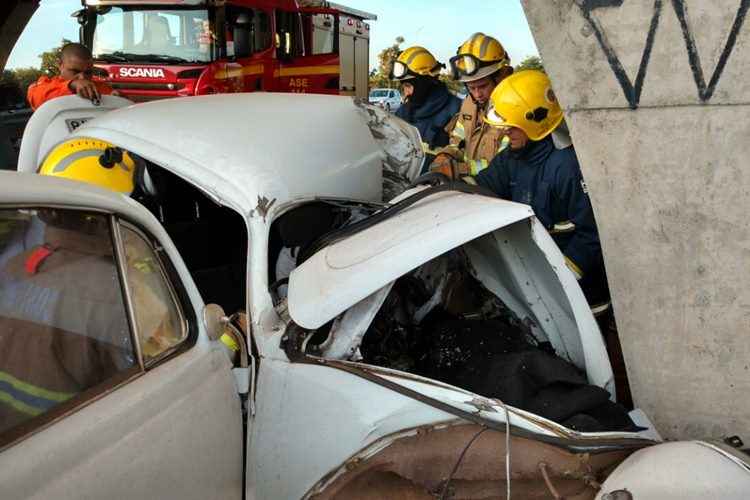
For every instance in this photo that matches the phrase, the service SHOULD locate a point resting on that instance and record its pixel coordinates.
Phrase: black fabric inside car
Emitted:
(486, 350)
(212, 239)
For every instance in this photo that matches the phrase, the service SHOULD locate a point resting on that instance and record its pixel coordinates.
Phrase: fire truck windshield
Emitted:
(153, 35)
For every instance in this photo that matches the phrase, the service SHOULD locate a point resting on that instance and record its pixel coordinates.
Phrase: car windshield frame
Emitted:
(181, 43)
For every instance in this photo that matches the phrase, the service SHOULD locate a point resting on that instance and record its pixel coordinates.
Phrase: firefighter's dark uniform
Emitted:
(550, 180)
(63, 327)
(431, 118)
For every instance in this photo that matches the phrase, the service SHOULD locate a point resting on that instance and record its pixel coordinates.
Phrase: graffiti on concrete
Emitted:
(632, 90)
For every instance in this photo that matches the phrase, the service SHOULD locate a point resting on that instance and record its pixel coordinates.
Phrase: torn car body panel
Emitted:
(334, 279)
(422, 463)
(511, 253)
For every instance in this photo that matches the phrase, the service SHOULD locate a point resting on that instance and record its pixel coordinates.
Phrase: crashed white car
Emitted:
(374, 344)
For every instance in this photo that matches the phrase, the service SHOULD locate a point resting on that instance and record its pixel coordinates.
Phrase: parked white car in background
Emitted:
(388, 99)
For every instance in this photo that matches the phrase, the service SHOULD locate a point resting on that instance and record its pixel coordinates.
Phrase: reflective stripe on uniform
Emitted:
(428, 150)
(504, 143)
(477, 166)
(563, 227)
(229, 341)
(28, 398)
(459, 132)
(598, 309)
(574, 267)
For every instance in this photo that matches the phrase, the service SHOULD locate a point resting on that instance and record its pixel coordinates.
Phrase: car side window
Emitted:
(63, 322)
(159, 320)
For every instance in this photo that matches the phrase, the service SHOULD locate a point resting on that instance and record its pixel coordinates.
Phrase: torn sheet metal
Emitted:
(342, 274)
(348, 329)
(421, 463)
(402, 148)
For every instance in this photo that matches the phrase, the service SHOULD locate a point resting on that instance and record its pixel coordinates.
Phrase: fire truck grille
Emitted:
(147, 86)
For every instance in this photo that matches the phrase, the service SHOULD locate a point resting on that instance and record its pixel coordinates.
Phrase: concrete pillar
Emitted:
(656, 95)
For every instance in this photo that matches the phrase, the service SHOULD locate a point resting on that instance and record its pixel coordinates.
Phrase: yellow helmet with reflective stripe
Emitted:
(479, 56)
(92, 161)
(525, 100)
(415, 61)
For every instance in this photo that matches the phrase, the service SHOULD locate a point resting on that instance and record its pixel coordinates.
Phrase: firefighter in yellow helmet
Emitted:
(103, 164)
(535, 171)
(480, 64)
(60, 282)
(94, 162)
(428, 105)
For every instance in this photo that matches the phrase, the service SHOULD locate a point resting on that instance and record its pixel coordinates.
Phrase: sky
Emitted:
(439, 25)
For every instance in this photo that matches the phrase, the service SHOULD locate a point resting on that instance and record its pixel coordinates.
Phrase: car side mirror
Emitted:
(213, 318)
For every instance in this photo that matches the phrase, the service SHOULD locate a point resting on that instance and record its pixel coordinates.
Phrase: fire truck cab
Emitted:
(159, 49)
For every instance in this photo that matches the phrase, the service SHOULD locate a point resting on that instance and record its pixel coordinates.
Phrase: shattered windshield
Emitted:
(166, 36)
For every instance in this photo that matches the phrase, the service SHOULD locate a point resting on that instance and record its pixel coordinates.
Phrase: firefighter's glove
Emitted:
(85, 88)
(443, 164)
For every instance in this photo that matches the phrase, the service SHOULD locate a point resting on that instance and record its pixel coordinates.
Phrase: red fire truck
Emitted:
(156, 49)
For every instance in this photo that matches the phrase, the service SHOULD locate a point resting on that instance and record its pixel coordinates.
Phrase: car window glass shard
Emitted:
(63, 325)
(157, 313)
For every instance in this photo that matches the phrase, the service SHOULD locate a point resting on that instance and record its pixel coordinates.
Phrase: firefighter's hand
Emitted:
(444, 164)
(85, 88)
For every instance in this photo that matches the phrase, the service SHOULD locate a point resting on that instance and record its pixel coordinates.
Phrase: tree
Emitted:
(26, 76)
(530, 62)
(51, 59)
(454, 86)
(380, 77)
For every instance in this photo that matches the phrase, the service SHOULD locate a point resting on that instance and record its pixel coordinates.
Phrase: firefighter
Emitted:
(64, 328)
(76, 66)
(532, 170)
(428, 105)
(102, 164)
(480, 64)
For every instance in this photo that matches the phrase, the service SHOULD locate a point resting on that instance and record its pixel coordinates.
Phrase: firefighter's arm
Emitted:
(496, 177)
(45, 89)
(449, 159)
(583, 250)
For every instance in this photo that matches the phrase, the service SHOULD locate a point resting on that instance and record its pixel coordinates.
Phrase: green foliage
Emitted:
(15, 82)
(379, 78)
(26, 76)
(453, 85)
(51, 59)
(530, 62)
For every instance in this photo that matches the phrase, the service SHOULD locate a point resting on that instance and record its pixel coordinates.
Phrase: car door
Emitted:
(109, 385)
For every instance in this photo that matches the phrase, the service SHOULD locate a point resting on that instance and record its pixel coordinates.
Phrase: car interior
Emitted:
(212, 239)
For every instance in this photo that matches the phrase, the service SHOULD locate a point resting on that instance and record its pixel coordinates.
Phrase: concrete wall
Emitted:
(656, 94)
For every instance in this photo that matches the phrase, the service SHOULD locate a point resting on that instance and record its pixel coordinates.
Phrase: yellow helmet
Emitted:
(92, 161)
(525, 100)
(415, 61)
(479, 56)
